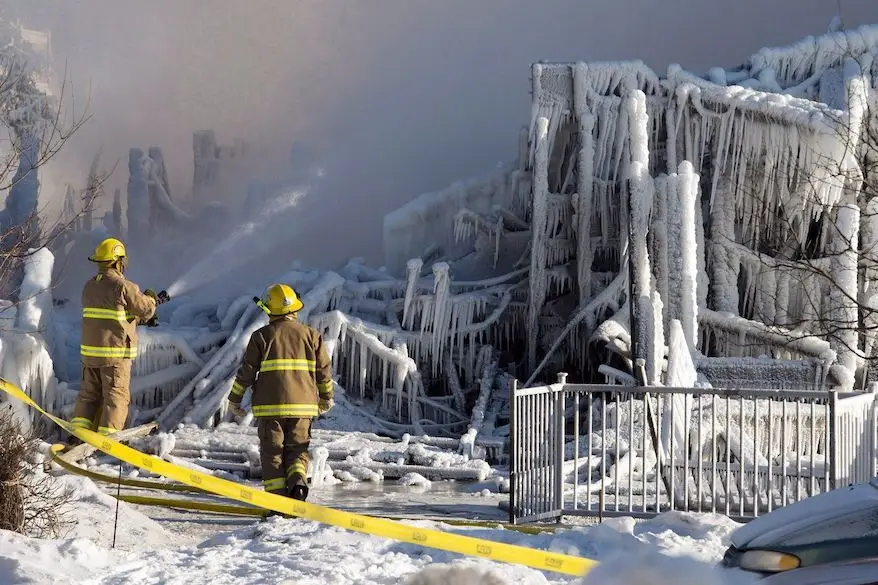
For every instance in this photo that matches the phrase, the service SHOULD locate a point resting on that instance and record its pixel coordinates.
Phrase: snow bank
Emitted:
(297, 551)
(651, 568)
(86, 549)
(61, 562)
(95, 511)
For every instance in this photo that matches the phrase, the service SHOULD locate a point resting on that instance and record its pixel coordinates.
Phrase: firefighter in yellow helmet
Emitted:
(112, 307)
(293, 387)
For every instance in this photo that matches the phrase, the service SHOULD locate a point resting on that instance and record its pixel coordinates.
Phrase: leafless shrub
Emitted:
(31, 503)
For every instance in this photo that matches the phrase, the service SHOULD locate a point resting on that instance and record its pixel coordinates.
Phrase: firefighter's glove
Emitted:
(153, 321)
(324, 406)
(236, 409)
(159, 298)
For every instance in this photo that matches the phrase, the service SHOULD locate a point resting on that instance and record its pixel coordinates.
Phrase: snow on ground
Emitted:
(86, 546)
(95, 514)
(304, 552)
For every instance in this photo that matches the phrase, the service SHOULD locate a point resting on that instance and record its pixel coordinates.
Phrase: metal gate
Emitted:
(584, 449)
(536, 462)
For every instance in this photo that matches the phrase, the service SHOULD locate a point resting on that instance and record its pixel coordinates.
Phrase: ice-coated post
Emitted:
(513, 451)
(641, 194)
(584, 182)
(832, 427)
(688, 194)
(843, 294)
(539, 227)
(560, 428)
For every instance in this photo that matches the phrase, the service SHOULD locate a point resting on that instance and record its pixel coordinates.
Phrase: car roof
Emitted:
(859, 572)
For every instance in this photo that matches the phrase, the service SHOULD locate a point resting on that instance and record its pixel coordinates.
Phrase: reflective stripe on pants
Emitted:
(283, 446)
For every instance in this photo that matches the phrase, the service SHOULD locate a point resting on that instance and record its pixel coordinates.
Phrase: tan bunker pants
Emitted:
(283, 448)
(102, 404)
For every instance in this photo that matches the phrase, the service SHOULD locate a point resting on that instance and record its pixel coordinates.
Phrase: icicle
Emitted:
(657, 343)
(444, 311)
(659, 230)
(766, 297)
(413, 275)
(498, 232)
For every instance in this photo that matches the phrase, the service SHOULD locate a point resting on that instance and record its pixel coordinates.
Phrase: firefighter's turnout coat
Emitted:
(294, 371)
(112, 307)
(288, 369)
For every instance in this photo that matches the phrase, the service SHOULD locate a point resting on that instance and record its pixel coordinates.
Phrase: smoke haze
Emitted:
(397, 97)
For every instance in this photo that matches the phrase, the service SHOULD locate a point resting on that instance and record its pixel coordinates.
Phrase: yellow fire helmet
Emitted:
(109, 250)
(281, 299)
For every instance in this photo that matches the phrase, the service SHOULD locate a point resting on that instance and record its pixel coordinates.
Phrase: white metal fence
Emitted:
(608, 450)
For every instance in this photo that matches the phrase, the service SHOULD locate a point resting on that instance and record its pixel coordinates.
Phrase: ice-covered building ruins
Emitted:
(738, 203)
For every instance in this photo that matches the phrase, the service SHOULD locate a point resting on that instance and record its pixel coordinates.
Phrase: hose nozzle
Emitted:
(261, 305)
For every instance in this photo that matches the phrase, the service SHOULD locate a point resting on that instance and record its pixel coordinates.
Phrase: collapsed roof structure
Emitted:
(726, 216)
(739, 202)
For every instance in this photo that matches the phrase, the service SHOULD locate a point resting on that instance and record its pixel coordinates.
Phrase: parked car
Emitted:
(864, 572)
(840, 526)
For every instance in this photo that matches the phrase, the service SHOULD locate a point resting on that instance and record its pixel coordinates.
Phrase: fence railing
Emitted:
(584, 449)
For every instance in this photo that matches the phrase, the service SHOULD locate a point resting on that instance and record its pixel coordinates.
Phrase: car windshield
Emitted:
(855, 525)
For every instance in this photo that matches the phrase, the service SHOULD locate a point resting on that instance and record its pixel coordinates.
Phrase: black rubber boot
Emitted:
(299, 492)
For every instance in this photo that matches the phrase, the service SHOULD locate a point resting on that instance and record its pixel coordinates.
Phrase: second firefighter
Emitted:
(289, 371)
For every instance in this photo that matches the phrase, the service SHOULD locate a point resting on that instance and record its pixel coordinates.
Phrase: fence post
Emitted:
(560, 412)
(833, 440)
(513, 450)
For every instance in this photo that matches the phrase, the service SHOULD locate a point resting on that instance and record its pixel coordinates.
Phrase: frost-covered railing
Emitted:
(736, 336)
(605, 450)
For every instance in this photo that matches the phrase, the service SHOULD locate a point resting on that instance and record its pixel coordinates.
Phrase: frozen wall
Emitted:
(665, 179)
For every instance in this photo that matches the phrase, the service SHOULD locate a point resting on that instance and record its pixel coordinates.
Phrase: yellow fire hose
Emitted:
(150, 484)
(424, 537)
(231, 509)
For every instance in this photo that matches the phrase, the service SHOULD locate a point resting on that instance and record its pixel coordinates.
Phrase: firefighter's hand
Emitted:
(236, 409)
(324, 406)
(153, 321)
(159, 298)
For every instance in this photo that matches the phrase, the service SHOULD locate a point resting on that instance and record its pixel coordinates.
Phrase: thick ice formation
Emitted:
(27, 340)
(658, 229)
(771, 148)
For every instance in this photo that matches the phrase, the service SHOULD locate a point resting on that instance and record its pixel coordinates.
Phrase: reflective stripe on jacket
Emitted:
(288, 368)
(111, 309)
